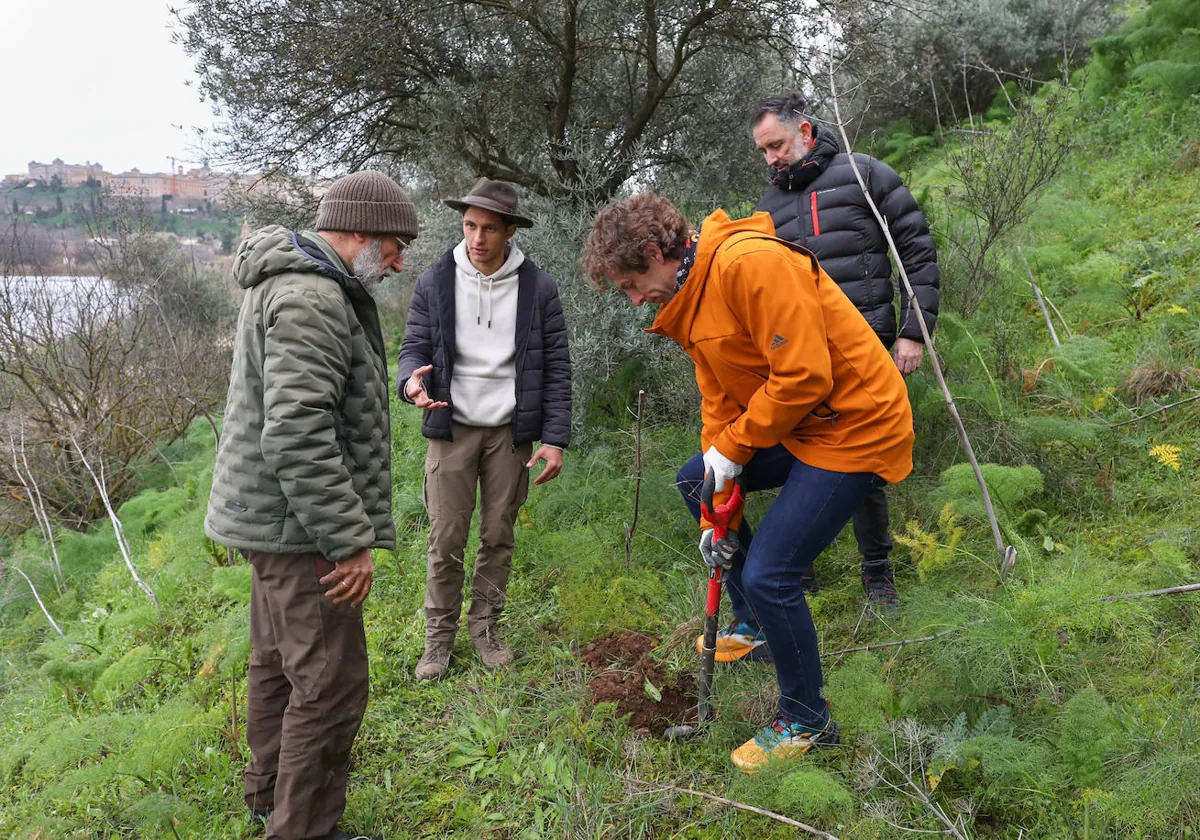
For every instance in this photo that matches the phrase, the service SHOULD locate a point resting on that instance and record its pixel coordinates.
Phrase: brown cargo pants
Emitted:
(483, 458)
(307, 695)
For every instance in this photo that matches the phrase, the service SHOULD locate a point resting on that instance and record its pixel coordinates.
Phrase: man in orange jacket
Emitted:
(796, 393)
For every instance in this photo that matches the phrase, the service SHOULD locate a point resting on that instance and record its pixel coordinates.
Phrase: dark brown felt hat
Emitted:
(498, 196)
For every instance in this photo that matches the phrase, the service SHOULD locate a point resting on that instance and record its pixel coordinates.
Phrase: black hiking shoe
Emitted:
(880, 587)
(808, 580)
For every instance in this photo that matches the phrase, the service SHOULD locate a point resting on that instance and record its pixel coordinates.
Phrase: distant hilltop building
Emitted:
(202, 184)
(69, 174)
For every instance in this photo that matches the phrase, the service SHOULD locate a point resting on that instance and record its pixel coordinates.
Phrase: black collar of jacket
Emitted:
(804, 171)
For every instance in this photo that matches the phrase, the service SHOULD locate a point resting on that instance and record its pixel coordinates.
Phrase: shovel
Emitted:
(720, 516)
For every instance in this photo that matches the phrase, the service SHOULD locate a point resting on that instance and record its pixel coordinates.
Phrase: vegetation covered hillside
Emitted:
(1056, 700)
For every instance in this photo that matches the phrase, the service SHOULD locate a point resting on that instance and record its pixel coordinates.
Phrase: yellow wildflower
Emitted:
(1167, 455)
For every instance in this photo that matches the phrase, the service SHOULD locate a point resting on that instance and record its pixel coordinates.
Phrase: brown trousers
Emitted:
(308, 692)
(477, 457)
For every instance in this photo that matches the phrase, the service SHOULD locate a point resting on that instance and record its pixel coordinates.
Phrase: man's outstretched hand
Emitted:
(414, 389)
(554, 460)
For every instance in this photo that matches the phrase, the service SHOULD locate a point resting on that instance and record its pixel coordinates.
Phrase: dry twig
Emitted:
(37, 598)
(1128, 596)
(39, 508)
(118, 529)
(919, 795)
(1156, 411)
(1037, 293)
(637, 481)
(903, 642)
(815, 832)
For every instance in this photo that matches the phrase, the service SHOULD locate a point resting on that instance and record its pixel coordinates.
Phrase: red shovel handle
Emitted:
(720, 515)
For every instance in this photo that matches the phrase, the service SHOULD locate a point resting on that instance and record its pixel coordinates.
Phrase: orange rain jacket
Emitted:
(782, 356)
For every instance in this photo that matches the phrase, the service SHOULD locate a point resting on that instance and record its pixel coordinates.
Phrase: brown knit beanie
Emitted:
(367, 202)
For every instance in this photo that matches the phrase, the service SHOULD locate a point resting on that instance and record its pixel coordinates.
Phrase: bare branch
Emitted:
(742, 806)
(1037, 293)
(637, 481)
(118, 529)
(36, 597)
(1159, 410)
(34, 493)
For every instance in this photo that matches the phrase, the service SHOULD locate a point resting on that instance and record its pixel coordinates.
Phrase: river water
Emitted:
(58, 303)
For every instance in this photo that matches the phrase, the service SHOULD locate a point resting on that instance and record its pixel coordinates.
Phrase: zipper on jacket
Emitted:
(816, 223)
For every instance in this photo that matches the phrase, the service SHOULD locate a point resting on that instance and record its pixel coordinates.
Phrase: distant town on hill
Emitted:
(200, 184)
(57, 216)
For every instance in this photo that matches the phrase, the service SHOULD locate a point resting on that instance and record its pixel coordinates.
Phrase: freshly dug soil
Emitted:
(624, 666)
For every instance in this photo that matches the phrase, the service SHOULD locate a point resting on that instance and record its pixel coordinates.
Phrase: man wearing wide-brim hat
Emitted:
(485, 357)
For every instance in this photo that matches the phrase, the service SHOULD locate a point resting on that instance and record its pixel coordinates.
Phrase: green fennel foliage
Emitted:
(1086, 736)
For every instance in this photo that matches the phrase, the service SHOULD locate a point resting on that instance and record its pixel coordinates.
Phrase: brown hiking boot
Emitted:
(434, 662)
(492, 652)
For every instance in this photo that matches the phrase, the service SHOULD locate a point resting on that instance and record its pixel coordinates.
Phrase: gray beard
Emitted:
(368, 266)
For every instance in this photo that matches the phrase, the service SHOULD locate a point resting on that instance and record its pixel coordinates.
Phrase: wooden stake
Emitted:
(637, 481)
(1008, 554)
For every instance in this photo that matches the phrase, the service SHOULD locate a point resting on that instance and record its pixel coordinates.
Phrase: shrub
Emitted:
(1086, 733)
(232, 583)
(1006, 486)
(127, 672)
(600, 595)
(1083, 359)
(858, 695)
(1159, 47)
(804, 793)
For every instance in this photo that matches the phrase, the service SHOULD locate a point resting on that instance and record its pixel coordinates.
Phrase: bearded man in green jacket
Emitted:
(302, 487)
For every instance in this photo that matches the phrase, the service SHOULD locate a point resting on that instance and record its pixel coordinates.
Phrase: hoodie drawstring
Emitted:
(479, 299)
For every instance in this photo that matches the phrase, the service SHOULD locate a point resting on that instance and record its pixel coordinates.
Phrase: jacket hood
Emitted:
(275, 250)
(507, 270)
(804, 171)
(676, 316)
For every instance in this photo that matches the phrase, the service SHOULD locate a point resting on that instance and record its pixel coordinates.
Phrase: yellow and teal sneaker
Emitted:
(739, 642)
(782, 740)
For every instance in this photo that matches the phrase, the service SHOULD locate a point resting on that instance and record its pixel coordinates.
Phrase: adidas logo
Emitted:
(778, 342)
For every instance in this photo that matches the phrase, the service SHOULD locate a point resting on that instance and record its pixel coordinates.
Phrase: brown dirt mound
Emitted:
(625, 667)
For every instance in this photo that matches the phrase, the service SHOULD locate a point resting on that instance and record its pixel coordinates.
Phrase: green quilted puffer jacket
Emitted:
(304, 463)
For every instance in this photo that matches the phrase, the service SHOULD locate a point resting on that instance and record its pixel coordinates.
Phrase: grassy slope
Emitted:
(1055, 713)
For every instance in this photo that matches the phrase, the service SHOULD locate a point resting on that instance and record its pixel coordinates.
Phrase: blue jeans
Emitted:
(764, 584)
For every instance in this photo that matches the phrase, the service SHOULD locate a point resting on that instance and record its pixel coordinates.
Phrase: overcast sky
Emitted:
(84, 80)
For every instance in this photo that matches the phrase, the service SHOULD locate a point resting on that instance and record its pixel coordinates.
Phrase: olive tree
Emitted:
(570, 99)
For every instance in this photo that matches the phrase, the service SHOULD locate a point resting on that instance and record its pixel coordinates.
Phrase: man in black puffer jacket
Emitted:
(816, 201)
(485, 357)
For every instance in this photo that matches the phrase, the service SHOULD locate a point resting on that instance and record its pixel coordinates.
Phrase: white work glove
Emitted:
(720, 468)
(718, 553)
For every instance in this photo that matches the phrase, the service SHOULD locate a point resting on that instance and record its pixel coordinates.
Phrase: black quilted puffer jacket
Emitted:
(543, 379)
(817, 203)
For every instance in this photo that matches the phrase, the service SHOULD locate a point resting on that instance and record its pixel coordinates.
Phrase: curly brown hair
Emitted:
(623, 233)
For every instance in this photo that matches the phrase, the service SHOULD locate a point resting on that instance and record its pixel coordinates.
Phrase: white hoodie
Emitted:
(483, 389)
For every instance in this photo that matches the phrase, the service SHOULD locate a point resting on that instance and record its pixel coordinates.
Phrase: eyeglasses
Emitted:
(401, 245)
